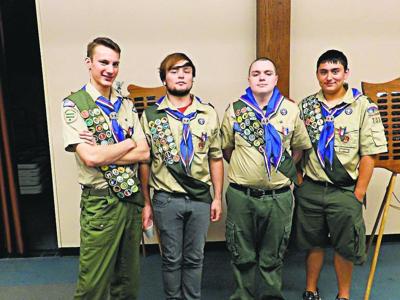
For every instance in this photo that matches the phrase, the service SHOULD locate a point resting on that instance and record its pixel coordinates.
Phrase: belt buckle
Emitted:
(257, 193)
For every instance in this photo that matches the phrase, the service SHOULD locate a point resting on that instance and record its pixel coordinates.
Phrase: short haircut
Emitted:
(102, 41)
(333, 56)
(264, 58)
(171, 60)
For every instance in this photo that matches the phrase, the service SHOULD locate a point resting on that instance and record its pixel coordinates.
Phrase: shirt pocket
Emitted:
(241, 142)
(346, 138)
(378, 136)
(201, 139)
(286, 133)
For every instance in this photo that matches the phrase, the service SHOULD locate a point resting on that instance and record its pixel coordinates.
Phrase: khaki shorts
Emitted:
(328, 215)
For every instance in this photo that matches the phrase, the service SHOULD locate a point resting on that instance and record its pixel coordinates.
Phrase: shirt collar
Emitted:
(94, 93)
(195, 106)
(347, 98)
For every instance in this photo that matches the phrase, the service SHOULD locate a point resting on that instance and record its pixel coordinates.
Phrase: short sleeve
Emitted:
(227, 134)
(300, 139)
(145, 127)
(138, 133)
(372, 133)
(72, 124)
(215, 141)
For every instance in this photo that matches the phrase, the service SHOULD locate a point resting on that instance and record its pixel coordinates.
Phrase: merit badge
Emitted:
(70, 116)
(348, 111)
(283, 111)
(84, 114)
(201, 121)
(68, 103)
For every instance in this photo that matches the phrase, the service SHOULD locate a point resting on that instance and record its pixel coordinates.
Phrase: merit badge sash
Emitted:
(319, 121)
(177, 162)
(121, 179)
(250, 125)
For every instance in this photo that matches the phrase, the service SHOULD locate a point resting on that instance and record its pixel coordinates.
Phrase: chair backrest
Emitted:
(143, 97)
(387, 97)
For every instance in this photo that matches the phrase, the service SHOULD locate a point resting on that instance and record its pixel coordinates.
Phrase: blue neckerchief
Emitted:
(186, 145)
(273, 148)
(326, 143)
(112, 112)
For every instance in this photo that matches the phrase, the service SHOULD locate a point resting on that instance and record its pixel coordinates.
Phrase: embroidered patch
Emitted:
(202, 121)
(283, 111)
(68, 103)
(348, 111)
(372, 110)
(70, 116)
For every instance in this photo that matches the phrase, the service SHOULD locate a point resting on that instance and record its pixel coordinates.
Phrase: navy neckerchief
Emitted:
(326, 141)
(186, 145)
(112, 113)
(273, 148)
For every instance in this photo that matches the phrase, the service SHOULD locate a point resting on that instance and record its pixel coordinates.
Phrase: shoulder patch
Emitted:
(68, 103)
(70, 116)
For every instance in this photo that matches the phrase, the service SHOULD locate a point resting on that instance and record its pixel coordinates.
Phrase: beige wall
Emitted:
(218, 35)
(368, 33)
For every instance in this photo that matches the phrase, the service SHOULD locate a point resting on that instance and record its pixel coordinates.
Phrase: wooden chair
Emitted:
(387, 97)
(142, 98)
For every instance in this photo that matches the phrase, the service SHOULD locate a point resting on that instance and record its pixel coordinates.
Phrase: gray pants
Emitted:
(183, 225)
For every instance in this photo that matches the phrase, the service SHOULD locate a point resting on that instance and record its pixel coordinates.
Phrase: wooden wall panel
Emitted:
(273, 37)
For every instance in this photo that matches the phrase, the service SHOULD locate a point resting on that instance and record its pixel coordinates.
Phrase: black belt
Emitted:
(87, 191)
(258, 192)
(321, 183)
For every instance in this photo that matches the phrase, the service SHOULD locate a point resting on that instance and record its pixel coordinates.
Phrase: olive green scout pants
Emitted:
(109, 251)
(257, 234)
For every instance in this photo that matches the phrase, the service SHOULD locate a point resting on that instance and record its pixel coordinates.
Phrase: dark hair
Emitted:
(171, 60)
(264, 58)
(333, 56)
(103, 41)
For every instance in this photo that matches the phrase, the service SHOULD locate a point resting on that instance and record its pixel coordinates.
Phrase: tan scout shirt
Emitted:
(247, 165)
(160, 178)
(73, 123)
(364, 136)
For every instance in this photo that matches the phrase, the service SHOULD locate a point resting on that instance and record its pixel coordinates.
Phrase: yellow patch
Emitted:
(70, 116)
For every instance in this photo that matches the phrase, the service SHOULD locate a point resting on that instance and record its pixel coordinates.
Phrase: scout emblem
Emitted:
(348, 111)
(201, 121)
(283, 111)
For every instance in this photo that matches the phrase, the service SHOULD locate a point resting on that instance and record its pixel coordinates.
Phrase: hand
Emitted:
(147, 216)
(359, 195)
(216, 210)
(87, 137)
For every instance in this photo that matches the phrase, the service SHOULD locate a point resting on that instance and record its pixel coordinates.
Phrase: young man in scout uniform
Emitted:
(104, 132)
(261, 133)
(186, 158)
(345, 129)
